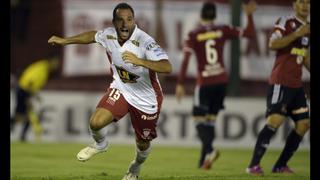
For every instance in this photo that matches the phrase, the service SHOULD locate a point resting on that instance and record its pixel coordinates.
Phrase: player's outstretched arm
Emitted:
(278, 43)
(83, 38)
(249, 8)
(161, 66)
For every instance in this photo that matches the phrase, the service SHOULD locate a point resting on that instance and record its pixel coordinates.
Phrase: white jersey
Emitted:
(139, 85)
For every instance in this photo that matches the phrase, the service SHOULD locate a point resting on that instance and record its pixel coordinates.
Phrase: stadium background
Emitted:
(72, 93)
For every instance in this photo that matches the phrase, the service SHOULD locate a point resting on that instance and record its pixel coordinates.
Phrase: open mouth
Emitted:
(124, 30)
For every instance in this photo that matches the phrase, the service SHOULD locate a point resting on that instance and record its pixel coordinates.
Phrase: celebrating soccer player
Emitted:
(135, 59)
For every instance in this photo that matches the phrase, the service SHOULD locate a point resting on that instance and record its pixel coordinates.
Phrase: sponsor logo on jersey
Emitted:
(152, 45)
(136, 43)
(148, 118)
(126, 76)
(209, 35)
(299, 51)
(111, 37)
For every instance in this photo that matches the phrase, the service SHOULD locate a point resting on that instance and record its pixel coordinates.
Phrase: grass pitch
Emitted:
(57, 161)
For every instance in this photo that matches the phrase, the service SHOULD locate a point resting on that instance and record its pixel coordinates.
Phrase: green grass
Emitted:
(57, 161)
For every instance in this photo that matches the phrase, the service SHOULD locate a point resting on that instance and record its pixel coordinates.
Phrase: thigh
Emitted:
(144, 124)
(216, 96)
(22, 99)
(114, 102)
(278, 100)
(299, 107)
(209, 100)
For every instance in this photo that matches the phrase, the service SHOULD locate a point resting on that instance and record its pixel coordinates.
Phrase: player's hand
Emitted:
(56, 40)
(129, 57)
(180, 92)
(250, 7)
(303, 30)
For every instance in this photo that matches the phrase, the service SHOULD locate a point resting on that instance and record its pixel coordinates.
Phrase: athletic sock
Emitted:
(261, 145)
(24, 131)
(100, 137)
(139, 159)
(292, 144)
(206, 134)
(209, 137)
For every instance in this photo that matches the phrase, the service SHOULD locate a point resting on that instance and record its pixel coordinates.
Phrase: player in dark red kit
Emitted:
(207, 42)
(286, 96)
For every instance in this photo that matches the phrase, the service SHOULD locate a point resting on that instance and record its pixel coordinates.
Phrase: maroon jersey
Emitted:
(207, 42)
(287, 69)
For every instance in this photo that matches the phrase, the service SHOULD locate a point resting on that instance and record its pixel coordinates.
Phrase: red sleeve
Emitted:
(230, 32)
(187, 51)
(249, 31)
(184, 66)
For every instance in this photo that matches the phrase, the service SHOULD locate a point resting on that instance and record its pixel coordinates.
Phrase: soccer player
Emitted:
(286, 96)
(207, 42)
(135, 59)
(32, 80)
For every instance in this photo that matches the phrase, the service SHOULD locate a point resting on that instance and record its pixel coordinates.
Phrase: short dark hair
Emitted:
(208, 11)
(121, 6)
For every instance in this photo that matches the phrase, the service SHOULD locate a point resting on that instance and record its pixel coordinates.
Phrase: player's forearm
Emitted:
(83, 38)
(162, 66)
(280, 43)
(249, 32)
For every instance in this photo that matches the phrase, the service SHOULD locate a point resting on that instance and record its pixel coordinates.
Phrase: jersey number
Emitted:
(115, 94)
(211, 52)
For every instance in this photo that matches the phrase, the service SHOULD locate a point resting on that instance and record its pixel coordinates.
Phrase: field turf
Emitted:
(57, 161)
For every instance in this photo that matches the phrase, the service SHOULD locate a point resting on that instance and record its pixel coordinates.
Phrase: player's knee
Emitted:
(302, 126)
(99, 119)
(275, 120)
(143, 145)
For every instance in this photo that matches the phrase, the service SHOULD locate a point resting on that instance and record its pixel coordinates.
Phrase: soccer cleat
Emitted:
(89, 151)
(284, 170)
(209, 159)
(130, 176)
(255, 170)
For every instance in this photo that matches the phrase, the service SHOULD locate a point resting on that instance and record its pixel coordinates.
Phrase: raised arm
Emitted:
(83, 38)
(278, 42)
(249, 8)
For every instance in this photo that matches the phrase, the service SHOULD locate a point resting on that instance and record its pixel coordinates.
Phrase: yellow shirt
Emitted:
(35, 76)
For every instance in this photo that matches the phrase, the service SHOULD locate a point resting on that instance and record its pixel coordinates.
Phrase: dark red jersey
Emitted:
(287, 69)
(207, 42)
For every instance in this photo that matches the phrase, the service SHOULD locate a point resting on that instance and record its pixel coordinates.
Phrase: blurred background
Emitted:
(71, 94)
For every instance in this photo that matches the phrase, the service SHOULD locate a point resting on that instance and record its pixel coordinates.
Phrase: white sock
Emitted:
(140, 157)
(100, 136)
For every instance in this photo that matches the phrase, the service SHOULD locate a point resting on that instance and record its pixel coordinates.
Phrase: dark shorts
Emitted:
(209, 100)
(144, 124)
(22, 100)
(291, 102)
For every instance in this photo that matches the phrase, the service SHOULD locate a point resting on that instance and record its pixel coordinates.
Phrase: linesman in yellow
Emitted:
(31, 81)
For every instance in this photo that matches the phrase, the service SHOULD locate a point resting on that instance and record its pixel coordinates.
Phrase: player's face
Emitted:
(124, 24)
(302, 8)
